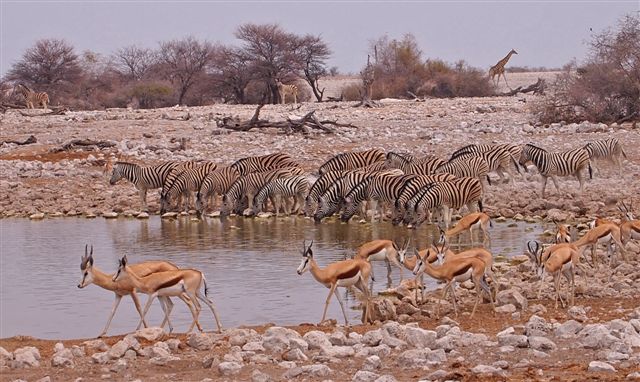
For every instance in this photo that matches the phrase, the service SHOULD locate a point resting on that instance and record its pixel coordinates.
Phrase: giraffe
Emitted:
(498, 69)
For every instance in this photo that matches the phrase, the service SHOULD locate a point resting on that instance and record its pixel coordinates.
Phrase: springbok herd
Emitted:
(406, 188)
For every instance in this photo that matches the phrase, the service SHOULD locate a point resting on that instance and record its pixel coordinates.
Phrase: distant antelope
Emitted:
(284, 89)
(467, 222)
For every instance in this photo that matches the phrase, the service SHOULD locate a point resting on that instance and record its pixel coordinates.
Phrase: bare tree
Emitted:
(183, 61)
(134, 62)
(49, 65)
(231, 70)
(274, 53)
(314, 52)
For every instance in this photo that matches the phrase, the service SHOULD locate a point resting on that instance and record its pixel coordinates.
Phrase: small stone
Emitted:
(317, 339)
(317, 371)
(173, 344)
(507, 308)
(258, 376)
(200, 341)
(37, 216)
(150, 334)
(62, 358)
(119, 366)
(568, 329)
(386, 378)
(512, 296)
(27, 356)
(99, 345)
(229, 368)
(59, 346)
(295, 355)
(486, 369)
(577, 313)
(598, 366)
(372, 363)
(100, 358)
(364, 376)
(142, 215)
(635, 376)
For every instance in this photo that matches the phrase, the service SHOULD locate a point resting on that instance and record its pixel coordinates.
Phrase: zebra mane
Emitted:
(361, 183)
(536, 147)
(461, 151)
(401, 156)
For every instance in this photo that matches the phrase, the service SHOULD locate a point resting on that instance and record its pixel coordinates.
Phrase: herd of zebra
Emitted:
(410, 187)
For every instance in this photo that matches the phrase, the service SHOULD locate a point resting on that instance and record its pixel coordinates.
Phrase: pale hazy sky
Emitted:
(545, 33)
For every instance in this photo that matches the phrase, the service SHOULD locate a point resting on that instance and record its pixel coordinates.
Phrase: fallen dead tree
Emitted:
(84, 144)
(291, 125)
(28, 141)
(537, 88)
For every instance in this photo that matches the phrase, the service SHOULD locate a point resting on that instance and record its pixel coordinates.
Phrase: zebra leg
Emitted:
(373, 205)
(544, 184)
(555, 183)
(143, 198)
(580, 180)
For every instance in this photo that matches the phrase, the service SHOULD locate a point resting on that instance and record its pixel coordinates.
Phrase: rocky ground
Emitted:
(528, 339)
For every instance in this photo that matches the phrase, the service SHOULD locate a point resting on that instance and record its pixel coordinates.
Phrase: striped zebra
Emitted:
(563, 163)
(280, 190)
(175, 172)
(514, 149)
(609, 149)
(332, 200)
(187, 183)
(32, 98)
(247, 186)
(410, 189)
(382, 188)
(472, 167)
(352, 160)
(263, 163)
(318, 188)
(143, 177)
(215, 183)
(498, 158)
(284, 89)
(426, 165)
(448, 196)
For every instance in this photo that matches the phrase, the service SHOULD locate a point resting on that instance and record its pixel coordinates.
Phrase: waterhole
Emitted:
(250, 266)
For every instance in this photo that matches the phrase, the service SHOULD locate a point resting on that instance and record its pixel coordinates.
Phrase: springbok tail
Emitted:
(204, 282)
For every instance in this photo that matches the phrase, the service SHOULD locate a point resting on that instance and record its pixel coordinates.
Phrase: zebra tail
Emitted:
(623, 153)
(515, 163)
(490, 223)
(590, 171)
(480, 207)
(488, 180)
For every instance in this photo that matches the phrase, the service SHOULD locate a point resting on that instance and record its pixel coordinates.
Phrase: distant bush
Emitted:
(606, 88)
(528, 69)
(352, 92)
(400, 72)
(151, 95)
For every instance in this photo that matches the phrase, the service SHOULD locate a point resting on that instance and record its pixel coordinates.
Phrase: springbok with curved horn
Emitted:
(346, 273)
(92, 275)
(458, 269)
(184, 283)
(560, 259)
(382, 250)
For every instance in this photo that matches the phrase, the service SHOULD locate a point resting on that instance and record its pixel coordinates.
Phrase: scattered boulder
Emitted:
(317, 339)
(364, 376)
(537, 326)
(420, 338)
(487, 370)
(371, 338)
(382, 309)
(27, 356)
(200, 341)
(295, 355)
(596, 336)
(568, 329)
(577, 313)
(598, 366)
(541, 343)
(100, 358)
(229, 368)
(62, 358)
(512, 296)
(150, 334)
(372, 363)
(258, 376)
(317, 371)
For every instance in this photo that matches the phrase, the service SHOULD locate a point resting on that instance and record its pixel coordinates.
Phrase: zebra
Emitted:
(175, 172)
(410, 189)
(498, 158)
(187, 182)
(352, 160)
(467, 167)
(383, 188)
(426, 165)
(551, 164)
(142, 177)
(33, 98)
(318, 188)
(296, 186)
(215, 183)
(248, 185)
(331, 200)
(514, 149)
(263, 163)
(447, 196)
(609, 149)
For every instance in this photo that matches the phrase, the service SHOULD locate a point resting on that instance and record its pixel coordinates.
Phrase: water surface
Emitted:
(250, 266)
